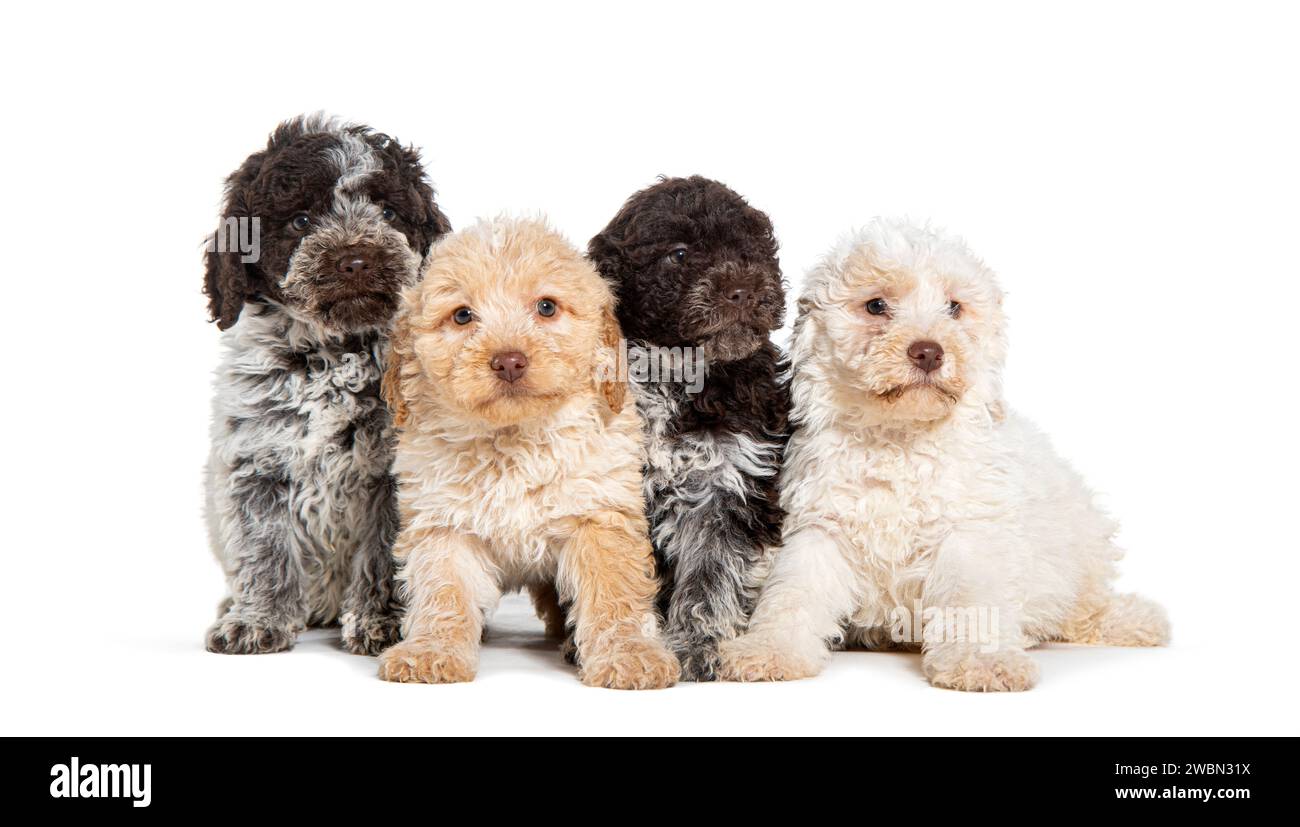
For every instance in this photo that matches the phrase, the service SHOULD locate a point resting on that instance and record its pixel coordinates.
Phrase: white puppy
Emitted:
(919, 513)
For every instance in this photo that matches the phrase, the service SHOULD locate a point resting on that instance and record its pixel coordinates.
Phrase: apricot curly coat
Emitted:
(519, 483)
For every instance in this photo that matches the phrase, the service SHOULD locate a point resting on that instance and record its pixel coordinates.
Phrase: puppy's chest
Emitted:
(516, 494)
(320, 413)
(683, 458)
(895, 503)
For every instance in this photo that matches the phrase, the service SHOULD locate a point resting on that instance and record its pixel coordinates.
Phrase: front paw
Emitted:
(752, 658)
(420, 661)
(235, 634)
(370, 634)
(699, 660)
(970, 670)
(631, 663)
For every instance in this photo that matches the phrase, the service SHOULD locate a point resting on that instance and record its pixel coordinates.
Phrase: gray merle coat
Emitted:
(300, 498)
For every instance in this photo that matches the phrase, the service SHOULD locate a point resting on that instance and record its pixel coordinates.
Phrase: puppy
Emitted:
(696, 272)
(519, 459)
(918, 512)
(300, 500)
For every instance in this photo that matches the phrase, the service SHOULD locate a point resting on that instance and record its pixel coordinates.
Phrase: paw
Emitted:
(699, 661)
(969, 670)
(1134, 621)
(631, 663)
(370, 634)
(569, 650)
(751, 658)
(235, 634)
(416, 661)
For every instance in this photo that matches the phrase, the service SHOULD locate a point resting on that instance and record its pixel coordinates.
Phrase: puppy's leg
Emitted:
(973, 639)
(710, 593)
(606, 569)
(809, 592)
(449, 585)
(266, 609)
(546, 602)
(371, 612)
(1109, 619)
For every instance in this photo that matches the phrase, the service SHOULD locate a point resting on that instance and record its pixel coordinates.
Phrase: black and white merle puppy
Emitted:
(300, 498)
(696, 267)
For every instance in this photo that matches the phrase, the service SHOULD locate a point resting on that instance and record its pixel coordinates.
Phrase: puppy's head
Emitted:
(693, 265)
(343, 217)
(899, 323)
(509, 322)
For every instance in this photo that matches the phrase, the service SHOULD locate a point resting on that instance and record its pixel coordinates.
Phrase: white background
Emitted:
(1129, 169)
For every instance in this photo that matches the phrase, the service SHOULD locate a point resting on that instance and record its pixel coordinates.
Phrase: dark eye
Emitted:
(546, 307)
(389, 214)
(463, 315)
(301, 221)
(954, 309)
(878, 307)
(677, 255)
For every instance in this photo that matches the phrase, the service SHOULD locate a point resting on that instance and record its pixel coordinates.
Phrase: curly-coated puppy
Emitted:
(519, 459)
(918, 512)
(300, 499)
(697, 277)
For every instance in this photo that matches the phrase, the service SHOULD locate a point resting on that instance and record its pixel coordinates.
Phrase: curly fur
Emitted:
(533, 483)
(909, 490)
(300, 497)
(712, 456)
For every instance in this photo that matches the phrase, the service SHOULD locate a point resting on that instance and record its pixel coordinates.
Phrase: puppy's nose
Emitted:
(738, 291)
(509, 366)
(928, 356)
(738, 295)
(352, 263)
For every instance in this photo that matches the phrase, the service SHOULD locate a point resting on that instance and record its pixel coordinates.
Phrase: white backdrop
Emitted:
(1129, 169)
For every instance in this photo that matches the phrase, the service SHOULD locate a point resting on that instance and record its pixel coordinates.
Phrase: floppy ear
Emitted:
(390, 387)
(436, 225)
(612, 386)
(804, 332)
(225, 281)
(433, 223)
(603, 251)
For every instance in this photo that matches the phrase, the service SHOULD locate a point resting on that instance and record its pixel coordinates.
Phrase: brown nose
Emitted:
(509, 366)
(353, 263)
(928, 356)
(737, 290)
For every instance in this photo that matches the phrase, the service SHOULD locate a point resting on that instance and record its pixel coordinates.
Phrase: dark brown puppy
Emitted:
(696, 272)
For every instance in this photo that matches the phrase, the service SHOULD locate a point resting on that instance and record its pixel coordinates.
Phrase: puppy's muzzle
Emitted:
(509, 367)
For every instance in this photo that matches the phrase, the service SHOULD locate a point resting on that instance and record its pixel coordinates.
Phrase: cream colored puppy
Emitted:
(918, 513)
(519, 462)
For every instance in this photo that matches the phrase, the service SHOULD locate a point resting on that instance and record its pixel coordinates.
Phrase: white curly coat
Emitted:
(907, 491)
